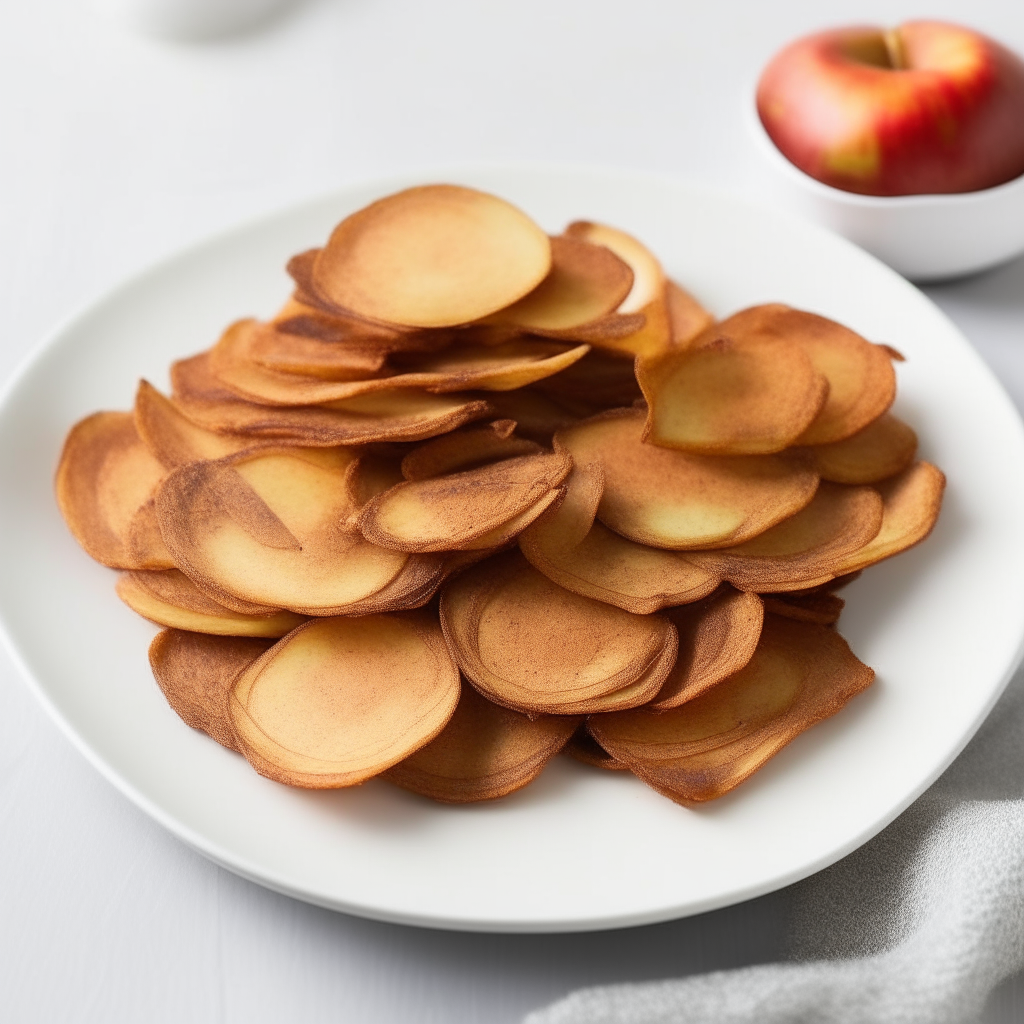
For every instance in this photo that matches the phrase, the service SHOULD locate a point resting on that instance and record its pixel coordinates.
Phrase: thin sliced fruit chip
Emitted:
(143, 541)
(195, 673)
(449, 512)
(721, 396)
(433, 256)
(105, 475)
(604, 379)
(861, 380)
(271, 529)
(170, 598)
(484, 752)
(586, 283)
(528, 644)
(911, 504)
(340, 700)
(583, 747)
(687, 318)
(822, 608)
(465, 449)
(582, 555)
(716, 639)
(507, 532)
(883, 448)
(672, 499)
(805, 549)
(405, 415)
(175, 440)
(800, 674)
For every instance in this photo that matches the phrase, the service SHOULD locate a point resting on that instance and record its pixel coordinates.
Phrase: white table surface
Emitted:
(115, 151)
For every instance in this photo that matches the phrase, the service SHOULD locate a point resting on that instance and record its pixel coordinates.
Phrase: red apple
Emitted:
(927, 107)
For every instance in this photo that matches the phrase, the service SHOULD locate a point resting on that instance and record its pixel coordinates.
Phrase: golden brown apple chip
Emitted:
(273, 529)
(822, 608)
(433, 256)
(586, 283)
(582, 555)
(687, 318)
(862, 383)
(716, 638)
(583, 747)
(340, 700)
(800, 674)
(405, 415)
(144, 542)
(105, 475)
(805, 549)
(528, 644)
(176, 441)
(465, 449)
(484, 752)
(883, 448)
(601, 380)
(911, 504)
(170, 598)
(195, 673)
(722, 396)
(676, 500)
(453, 511)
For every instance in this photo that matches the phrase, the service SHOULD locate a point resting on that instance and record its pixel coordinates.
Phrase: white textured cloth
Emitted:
(916, 927)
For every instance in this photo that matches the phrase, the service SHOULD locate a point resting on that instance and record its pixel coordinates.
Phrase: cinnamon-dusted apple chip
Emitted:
(340, 700)
(170, 598)
(453, 511)
(272, 529)
(404, 415)
(528, 644)
(195, 673)
(484, 752)
(716, 638)
(105, 475)
(799, 674)
(466, 449)
(910, 508)
(144, 542)
(724, 396)
(676, 500)
(861, 380)
(805, 549)
(433, 256)
(882, 449)
(575, 551)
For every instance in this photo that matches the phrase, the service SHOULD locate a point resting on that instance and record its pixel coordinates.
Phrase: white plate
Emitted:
(579, 849)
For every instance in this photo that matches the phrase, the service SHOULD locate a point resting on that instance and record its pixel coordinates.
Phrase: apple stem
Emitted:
(894, 48)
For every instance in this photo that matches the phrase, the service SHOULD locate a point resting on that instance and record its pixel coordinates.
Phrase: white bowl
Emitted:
(923, 237)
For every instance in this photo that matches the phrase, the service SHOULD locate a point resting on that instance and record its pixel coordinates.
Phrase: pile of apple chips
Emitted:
(478, 495)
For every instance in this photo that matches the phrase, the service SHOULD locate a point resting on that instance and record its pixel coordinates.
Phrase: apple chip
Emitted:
(466, 449)
(405, 415)
(340, 700)
(806, 548)
(882, 449)
(447, 513)
(272, 529)
(910, 508)
(170, 598)
(528, 644)
(584, 556)
(716, 639)
(721, 396)
(105, 475)
(800, 674)
(583, 747)
(861, 380)
(677, 500)
(484, 752)
(143, 541)
(195, 673)
(586, 283)
(433, 256)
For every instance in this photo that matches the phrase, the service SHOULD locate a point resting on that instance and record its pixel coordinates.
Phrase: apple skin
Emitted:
(928, 107)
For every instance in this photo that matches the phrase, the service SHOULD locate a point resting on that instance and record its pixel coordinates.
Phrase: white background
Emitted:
(115, 151)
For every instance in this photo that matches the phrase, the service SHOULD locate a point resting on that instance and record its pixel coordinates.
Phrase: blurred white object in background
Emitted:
(924, 238)
(190, 19)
